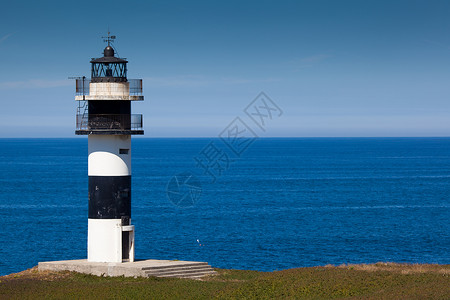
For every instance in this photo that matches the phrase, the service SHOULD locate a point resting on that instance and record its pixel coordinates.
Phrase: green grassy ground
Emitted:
(378, 281)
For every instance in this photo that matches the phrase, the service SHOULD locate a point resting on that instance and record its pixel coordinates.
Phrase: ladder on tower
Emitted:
(82, 112)
(83, 107)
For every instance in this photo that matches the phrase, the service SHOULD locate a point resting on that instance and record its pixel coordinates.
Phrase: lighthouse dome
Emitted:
(108, 52)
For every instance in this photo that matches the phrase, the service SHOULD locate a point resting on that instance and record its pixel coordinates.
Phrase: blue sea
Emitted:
(282, 203)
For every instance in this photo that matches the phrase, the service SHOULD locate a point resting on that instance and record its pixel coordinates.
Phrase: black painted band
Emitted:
(109, 197)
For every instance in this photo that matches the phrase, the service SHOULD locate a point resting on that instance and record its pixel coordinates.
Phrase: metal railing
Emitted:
(135, 87)
(82, 87)
(102, 122)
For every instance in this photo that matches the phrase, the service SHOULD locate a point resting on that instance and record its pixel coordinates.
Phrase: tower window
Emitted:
(124, 151)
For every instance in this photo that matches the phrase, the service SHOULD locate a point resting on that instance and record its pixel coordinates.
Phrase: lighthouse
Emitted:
(104, 115)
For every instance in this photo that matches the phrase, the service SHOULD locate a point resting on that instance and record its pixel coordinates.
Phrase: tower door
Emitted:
(125, 239)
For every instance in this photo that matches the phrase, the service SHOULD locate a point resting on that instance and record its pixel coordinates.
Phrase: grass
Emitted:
(375, 281)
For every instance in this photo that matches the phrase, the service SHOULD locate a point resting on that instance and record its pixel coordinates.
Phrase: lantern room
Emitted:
(108, 68)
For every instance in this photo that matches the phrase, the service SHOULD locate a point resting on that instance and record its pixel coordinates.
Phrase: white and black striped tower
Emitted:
(104, 114)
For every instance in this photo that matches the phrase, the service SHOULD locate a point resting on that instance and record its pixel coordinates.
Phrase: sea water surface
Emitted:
(284, 203)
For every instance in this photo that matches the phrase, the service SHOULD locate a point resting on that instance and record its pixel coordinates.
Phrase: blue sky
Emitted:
(336, 68)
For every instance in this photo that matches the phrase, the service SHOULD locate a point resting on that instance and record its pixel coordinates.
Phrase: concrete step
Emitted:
(179, 271)
(192, 276)
(175, 266)
(169, 270)
(182, 270)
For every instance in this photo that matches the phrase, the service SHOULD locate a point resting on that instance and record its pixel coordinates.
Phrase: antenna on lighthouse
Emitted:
(109, 39)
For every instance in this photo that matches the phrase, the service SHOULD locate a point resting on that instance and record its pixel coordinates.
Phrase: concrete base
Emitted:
(138, 268)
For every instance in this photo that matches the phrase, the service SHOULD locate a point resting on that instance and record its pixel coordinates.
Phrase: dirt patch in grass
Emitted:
(35, 274)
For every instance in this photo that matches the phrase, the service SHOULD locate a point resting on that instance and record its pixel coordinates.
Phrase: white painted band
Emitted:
(104, 243)
(105, 240)
(105, 158)
(109, 89)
